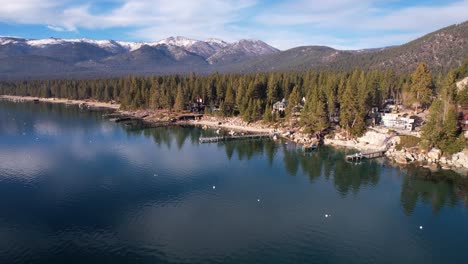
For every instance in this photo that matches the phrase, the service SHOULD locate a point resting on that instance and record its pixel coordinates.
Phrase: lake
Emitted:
(76, 188)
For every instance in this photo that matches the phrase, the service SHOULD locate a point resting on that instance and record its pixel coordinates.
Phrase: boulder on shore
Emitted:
(373, 138)
(460, 159)
(434, 154)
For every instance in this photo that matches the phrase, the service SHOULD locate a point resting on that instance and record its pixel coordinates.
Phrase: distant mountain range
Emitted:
(85, 58)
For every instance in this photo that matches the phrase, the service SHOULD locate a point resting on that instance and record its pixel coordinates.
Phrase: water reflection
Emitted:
(440, 189)
(96, 191)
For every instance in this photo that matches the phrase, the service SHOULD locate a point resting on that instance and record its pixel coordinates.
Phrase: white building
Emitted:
(398, 122)
(280, 106)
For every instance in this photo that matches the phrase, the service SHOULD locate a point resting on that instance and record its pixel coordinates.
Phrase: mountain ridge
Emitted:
(441, 50)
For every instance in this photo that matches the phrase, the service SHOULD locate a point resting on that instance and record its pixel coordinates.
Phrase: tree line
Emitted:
(349, 95)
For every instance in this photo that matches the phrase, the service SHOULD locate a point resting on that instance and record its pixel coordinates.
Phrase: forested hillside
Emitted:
(441, 50)
(349, 94)
(83, 58)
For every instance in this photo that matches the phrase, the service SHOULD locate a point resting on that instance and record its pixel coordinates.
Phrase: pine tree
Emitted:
(422, 86)
(347, 108)
(314, 115)
(273, 90)
(293, 100)
(268, 115)
(432, 130)
(179, 101)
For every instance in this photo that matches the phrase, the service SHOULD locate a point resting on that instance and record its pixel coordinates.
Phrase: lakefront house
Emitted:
(390, 120)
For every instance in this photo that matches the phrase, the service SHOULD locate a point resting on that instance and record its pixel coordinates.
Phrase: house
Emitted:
(462, 118)
(397, 121)
(197, 107)
(280, 107)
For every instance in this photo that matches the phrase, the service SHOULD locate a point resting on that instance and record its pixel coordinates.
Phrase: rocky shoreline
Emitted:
(373, 140)
(432, 159)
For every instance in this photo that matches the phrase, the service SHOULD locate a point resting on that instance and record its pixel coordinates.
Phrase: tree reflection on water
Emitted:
(418, 184)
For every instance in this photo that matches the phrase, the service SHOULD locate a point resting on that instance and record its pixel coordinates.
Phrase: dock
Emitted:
(372, 154)
(226, 138)
(367, 155)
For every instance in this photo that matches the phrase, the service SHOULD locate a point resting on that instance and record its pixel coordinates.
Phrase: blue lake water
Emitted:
(76, 188)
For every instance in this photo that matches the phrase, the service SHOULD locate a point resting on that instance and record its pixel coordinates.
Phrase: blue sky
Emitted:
(344, 24)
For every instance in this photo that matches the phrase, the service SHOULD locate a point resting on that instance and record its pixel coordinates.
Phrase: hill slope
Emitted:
(441, 50)
(83, 58)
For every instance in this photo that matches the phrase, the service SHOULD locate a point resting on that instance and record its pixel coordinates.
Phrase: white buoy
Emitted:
(258, 200)
(420, 227)
(326, 215)
(214, 187)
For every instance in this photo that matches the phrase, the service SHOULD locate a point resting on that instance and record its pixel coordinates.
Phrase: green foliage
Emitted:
(268, 115)
(422, 85)
(252, 95)
(441, 129)
(462, 96)
(179, 101)
(314, 115)
(408, 142)
(293, 100)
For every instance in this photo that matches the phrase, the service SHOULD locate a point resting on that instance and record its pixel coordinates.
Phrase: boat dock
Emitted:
(226, 138)
(372, 154)
(367, 155)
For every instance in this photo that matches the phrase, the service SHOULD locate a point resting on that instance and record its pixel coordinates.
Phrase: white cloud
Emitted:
(338, 23)
(353, 24)
(56, 28)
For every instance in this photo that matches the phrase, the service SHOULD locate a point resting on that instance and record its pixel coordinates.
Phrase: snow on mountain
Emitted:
(8, 40)
(108, 45)
(178, 41)
(212, 50)
(45, 42)
(201, 48)
(254, 47)
(240, 50)
(217, 42)
(130, 46)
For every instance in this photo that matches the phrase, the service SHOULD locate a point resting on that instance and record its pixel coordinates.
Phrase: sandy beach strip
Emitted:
(90, 103)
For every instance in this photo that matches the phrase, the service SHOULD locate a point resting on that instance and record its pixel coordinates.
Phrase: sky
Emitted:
(342, 24)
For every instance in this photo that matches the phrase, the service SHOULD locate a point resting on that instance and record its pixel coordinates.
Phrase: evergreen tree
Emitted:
(432, 130)
(421, 86)
(268, 115)
(293, 100)
(179, 104)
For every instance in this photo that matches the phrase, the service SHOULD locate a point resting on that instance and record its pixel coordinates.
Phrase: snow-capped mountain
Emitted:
(237, 51)
(205, 49)
(181, 54)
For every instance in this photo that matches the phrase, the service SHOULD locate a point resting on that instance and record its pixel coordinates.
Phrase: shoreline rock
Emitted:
(372, 140)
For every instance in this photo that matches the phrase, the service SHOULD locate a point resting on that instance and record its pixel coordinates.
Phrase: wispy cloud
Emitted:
(338, 23)
(57, 28)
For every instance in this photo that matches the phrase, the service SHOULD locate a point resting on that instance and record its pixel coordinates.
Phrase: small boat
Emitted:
(36, 101)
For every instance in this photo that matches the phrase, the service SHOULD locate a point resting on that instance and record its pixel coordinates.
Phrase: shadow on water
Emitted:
(439, 188)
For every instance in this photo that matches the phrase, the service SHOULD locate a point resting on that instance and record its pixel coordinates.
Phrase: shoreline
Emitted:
(91, 103)
(373, 140)
(155, 117)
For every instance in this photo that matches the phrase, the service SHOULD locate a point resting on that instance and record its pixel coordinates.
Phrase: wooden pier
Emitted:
(226, 138)
(367, 155)
(371, 155)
